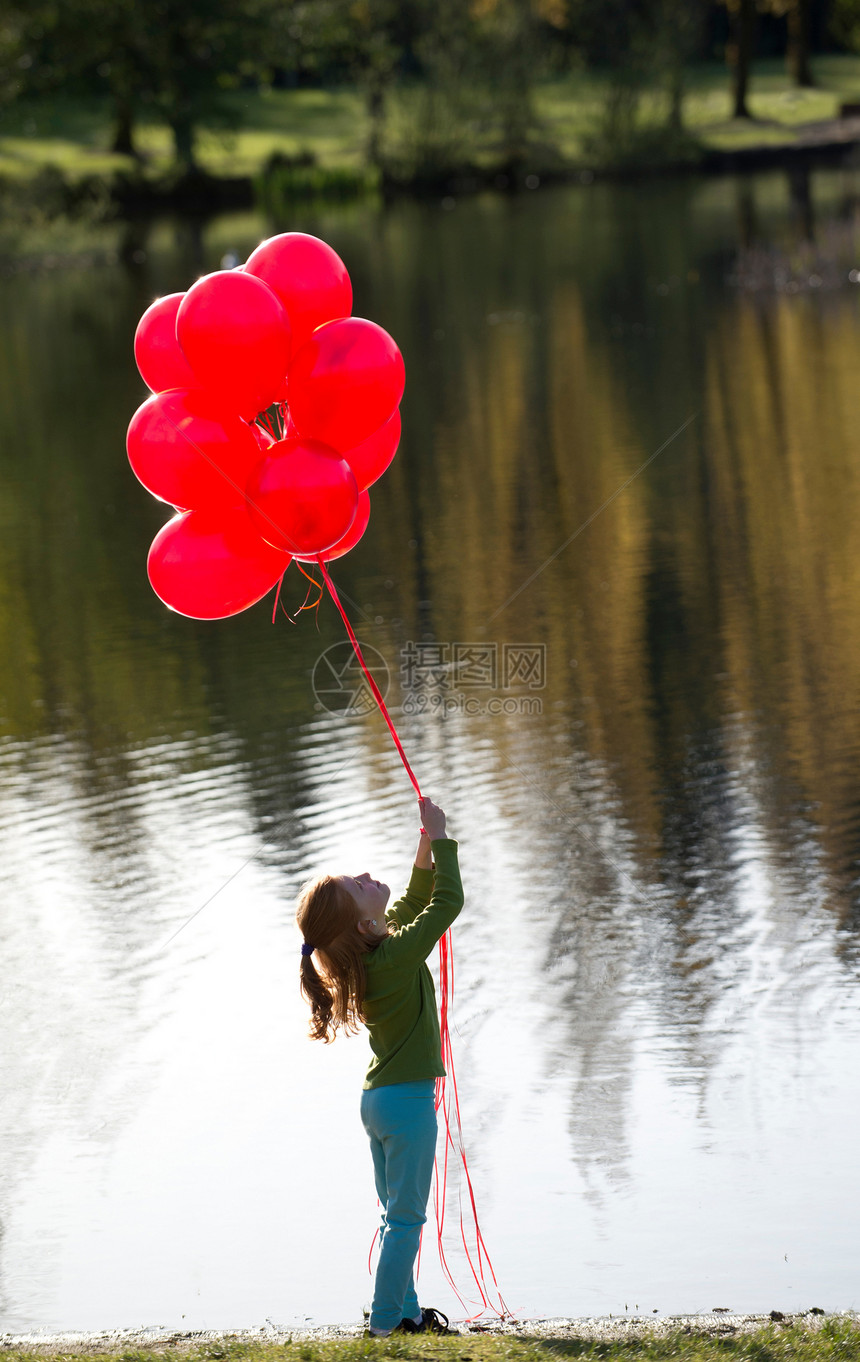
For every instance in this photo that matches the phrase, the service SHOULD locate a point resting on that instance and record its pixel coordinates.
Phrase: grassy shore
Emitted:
(330, 127)
(836, 1338)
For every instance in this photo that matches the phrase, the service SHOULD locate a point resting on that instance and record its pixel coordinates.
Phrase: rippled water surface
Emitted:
(614, 575)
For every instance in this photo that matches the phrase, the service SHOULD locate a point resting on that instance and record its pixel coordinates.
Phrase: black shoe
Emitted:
(432, 1322)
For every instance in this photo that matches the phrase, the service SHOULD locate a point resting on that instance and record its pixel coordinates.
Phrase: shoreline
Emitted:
(835, 141)
(281, 186)
(608, 1328)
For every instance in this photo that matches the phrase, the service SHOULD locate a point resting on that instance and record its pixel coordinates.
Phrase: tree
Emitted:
(845, 23)
(175, 58)
(13, 56)
(677, 34)
(438, 114)
(609, 38)
(797, 14)
(194, 52)
(630, 40)
(445, 54)
(739, 51)
(508, 37)
(367, 39)
(797, 55)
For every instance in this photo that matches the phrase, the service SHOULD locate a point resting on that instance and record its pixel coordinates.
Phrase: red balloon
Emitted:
(188, 451)
(353, 534)
(370, 459)
(235, 335)
(302, 497)
(345, 382)
(161, 363)
(208, 566)
(309, 278)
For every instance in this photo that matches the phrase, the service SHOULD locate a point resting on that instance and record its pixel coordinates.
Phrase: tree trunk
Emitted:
(182, 127)
(797, 53)
(519, 115)
(739, 53)
(676, 97)
(677, 24)
(376, 111)
(516, 120)
(123, 128)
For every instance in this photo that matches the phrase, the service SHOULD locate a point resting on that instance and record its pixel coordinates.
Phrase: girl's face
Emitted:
(370, 897)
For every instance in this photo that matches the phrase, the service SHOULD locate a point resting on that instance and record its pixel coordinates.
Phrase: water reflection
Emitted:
(661, 860)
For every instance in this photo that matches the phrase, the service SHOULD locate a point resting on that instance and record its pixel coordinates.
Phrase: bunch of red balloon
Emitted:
(273, 412)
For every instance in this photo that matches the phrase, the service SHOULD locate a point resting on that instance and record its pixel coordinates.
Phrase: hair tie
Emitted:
(306, 949)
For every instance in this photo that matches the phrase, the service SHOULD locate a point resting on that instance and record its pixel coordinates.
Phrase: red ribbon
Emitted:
(478, 1259)
(370, 681)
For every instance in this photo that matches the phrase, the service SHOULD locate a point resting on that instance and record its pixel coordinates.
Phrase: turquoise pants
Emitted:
(400, 1120)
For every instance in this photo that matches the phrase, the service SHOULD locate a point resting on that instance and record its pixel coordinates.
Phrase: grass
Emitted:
(836, 1338)
(74, 136)
(569, 108)
(330, 127)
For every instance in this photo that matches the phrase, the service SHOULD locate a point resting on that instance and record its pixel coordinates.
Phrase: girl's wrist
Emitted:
(423, 857)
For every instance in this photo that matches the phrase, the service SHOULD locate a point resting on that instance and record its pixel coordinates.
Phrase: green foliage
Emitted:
(367, 40)
(288, 180)
(13, 58)
(174, 59)
(431, 133)
(437, 78)
(845, 23)
(437, 118)
(432, 73)
(49, 196)
(638, 42)
(442, 126)
(622, 140)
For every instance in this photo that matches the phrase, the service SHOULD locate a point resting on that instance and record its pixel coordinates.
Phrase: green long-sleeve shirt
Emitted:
(399, 1000)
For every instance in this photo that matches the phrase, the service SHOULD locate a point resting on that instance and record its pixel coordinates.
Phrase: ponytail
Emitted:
(326, 916)
(320, 998)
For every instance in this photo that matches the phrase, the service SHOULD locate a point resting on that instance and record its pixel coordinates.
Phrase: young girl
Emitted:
(371, 967)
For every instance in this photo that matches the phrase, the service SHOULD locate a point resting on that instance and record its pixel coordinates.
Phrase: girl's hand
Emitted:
(433, 818)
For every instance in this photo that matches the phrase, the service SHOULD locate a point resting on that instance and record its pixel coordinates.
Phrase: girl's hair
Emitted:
(326, 916)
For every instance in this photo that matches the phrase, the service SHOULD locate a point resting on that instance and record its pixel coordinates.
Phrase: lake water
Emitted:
(614, 576)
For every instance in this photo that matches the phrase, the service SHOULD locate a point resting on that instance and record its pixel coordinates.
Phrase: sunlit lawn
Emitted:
(332, 124)
(76, 136)
(569, 108)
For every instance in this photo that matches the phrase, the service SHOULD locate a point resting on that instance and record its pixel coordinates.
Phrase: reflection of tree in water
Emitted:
(694, 607)
(801, 251)
(630, 960)
(589, 961)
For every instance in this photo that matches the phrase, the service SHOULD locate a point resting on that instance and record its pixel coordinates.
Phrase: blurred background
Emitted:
(194, 101)
(612, 580)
